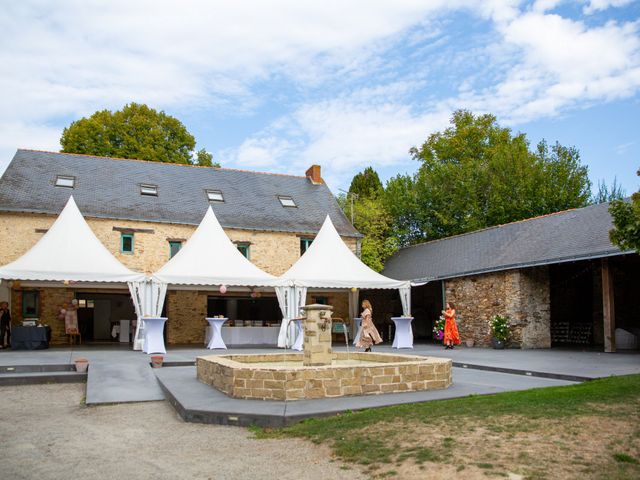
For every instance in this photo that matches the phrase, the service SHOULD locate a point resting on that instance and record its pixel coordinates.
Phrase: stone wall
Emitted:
(520, 295)
(242, 376)
(186, 312)
(51, 301)
(274, 252)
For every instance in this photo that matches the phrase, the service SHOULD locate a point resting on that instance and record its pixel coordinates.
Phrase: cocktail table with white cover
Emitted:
(358, 321)
(404, 333)
(153, 335)
(298, 344)
(216, 333)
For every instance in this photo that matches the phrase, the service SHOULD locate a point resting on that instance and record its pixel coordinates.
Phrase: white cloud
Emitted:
(363, 128)
(599, 5)
(570, 63)
(359, 75)
(17, 135)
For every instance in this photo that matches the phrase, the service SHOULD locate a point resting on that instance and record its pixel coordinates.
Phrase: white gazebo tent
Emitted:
(70, 252)
(210, 258)
(329, 263)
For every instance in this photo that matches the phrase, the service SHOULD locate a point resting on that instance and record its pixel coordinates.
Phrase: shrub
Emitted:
(499, 326)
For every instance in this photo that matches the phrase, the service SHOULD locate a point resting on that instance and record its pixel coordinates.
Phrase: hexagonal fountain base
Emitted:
(282, 376)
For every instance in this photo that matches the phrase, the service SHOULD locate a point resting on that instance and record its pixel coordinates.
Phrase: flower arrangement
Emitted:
(438, 328)
(499, 328)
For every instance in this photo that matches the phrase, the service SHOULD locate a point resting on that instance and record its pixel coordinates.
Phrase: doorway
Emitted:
(102, 316)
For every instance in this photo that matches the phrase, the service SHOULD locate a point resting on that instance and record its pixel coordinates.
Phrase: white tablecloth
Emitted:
(125, 336)
(153, 335)
(358, 321)
(299, 343)
(216, 337)
(404, 333)
(247, 335)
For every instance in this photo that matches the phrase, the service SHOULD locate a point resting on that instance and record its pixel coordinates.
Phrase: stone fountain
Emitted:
(319, 372)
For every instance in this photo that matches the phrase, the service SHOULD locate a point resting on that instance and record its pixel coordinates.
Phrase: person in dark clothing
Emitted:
(5, 325)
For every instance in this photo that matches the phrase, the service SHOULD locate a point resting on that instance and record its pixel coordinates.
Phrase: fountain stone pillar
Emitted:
(317, 335)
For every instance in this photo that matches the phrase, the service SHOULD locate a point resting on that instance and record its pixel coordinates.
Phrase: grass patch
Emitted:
(552, 402)
(625, 458)
(382, 437)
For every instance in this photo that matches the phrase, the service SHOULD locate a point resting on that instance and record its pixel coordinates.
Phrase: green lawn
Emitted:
(376, 436)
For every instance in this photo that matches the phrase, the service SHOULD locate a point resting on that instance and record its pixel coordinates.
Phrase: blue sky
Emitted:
(279, 85)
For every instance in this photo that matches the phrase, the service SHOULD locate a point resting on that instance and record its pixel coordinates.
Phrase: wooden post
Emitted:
(608, 310)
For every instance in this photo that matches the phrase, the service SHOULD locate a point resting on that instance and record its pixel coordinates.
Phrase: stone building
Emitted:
(557, 278)
(143, 212)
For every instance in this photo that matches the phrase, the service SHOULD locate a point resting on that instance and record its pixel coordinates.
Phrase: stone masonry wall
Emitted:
(521, 295)
(378, 373)
(186, 312)
(274, 252)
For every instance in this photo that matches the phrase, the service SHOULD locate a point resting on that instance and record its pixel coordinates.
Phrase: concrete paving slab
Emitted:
(586, 364)
(121, 383)
(200, 403)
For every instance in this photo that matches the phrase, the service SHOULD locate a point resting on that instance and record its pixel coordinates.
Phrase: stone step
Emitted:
(12, 369)
(35, 378)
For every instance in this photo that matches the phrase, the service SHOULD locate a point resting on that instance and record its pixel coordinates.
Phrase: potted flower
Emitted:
(499, 329)
(438, 329)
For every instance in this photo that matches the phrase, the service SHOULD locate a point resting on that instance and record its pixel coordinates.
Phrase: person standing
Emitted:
(451, 335)
(5, 325)
(369, 334)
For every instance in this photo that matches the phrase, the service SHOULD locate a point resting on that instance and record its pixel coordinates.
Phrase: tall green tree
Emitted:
(137, 131)
(366, 184)
(626, 222)
(370, 217)
(608, 193)
(477, 174)
(373, 220)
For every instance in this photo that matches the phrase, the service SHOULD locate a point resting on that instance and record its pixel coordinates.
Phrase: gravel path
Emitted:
(45, 433)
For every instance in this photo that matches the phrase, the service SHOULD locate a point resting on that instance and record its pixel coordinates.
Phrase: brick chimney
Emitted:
(313, 174)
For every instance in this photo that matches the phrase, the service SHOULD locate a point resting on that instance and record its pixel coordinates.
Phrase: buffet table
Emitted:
(30, 338)
(246, 335)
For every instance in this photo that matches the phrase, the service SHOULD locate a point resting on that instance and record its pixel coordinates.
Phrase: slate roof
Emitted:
(571, 235)
(110, 188)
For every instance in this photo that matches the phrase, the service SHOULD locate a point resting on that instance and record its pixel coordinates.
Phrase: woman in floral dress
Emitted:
(369, 333)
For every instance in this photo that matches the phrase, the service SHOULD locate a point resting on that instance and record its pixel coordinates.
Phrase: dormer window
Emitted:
(215, 196)
(65, 181)
(149, 190)
(286, 201)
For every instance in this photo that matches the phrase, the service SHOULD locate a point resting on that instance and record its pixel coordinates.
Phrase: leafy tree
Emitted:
(205, 159)
(374, 222)
(607, 194)
(136, 131)
(626, 222)
(366, 184)
(477, 174)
